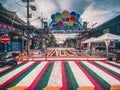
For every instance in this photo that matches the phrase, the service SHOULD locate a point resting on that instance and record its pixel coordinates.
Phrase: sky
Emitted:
(60, 38)
(92, 11)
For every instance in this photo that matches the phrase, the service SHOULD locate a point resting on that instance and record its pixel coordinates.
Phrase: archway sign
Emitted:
(4, 39)
(65, 21)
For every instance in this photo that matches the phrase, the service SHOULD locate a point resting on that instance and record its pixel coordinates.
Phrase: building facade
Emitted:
(112, 26)
(12, 26)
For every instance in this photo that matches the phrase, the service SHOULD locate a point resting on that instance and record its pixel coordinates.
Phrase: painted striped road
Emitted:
(114, 83)
(6, 77)
(61, 52)
(60, 75)
(44, 78)
(55, 81)
(108, 66)
(114, 63)
(32, 75)
(83, 82)
(7, 67)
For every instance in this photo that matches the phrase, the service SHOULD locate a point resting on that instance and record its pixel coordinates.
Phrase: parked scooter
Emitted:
(7, 58)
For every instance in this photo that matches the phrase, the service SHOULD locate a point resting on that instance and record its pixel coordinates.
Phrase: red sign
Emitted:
(25, 47)
(5, 39)
(4, 26)
(35, 38)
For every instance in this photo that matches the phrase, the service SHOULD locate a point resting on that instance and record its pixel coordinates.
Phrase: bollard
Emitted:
(26, 56)
(20, 57)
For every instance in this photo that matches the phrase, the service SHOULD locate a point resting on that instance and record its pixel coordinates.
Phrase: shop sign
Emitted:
(15, 37)
(2, 31)
(5, 39)
(5, 31)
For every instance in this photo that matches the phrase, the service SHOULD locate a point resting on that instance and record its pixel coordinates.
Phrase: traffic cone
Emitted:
(20, 57)
(26, 56)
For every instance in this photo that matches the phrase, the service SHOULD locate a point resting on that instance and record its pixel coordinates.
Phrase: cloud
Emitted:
(93, 15)
(64, 4)
(92, 11)
(47, 7)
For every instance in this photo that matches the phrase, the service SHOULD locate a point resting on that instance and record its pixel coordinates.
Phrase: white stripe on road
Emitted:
(111, 80)
(80, 77)
(7, 67)
(108, 66)
(118, 64)
(32, 75)
(14, 72)
(56, 75)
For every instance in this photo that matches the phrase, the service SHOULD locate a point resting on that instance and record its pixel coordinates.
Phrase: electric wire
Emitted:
(17, 2)
(99, 6)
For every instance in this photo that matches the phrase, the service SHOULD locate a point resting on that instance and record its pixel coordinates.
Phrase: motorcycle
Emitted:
(8, 58)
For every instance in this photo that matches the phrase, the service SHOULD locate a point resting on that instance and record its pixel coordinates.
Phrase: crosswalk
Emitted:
(80, 78)
(106, 78)
(61, 52)
(62, 75)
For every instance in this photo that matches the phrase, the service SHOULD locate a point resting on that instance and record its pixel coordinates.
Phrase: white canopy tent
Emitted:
(106, 38)
(88, 41)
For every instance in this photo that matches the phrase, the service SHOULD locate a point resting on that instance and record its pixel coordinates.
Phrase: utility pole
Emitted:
(28, 24)
(28, 37)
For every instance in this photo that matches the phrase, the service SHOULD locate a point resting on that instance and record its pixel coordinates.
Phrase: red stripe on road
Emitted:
(15, 76)
(64, 87)
(32, 86)
(97, 86)
(10, 68)
(114, 76)
(111, 65)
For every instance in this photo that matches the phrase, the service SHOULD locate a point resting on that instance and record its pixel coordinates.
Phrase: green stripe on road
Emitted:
(104, 85)
(42, 83)
(70, 78)
(111, 71)
(11, 70)
(18, 79)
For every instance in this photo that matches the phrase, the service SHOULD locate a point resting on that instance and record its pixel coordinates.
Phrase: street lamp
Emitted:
(94, 25)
